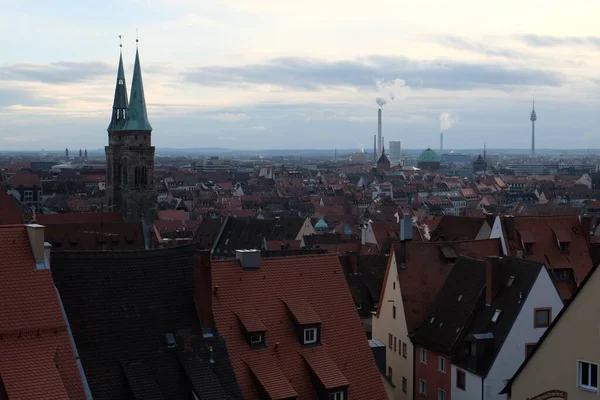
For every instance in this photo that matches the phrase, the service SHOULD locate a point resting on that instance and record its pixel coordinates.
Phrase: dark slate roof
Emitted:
(330, 238)
(453, 228)
(95, 236)
(470, 316)
(286, 228)
(366, 284)
(207, 233)
(120, 305)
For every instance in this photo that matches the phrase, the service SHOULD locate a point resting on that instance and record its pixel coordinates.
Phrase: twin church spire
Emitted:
(129, 116)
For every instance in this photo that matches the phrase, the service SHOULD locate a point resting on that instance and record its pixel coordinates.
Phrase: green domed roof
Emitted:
(321, 224)
(428, 156)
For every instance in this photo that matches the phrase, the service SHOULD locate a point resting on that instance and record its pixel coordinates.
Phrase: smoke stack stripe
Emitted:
(379, 144)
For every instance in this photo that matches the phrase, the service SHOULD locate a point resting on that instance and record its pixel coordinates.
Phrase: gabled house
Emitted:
(294, 333)
(415, 273)
(37, 359)
(565, 363)
(560, 242)
(29, 187)
(486, 319)
(137, 328)
(9, 212)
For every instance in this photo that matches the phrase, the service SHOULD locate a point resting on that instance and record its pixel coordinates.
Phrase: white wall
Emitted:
(472, 387)
(543, 294)
(496, 233)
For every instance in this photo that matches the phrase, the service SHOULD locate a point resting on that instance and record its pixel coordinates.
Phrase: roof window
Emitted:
(510, 281)
(496, 315)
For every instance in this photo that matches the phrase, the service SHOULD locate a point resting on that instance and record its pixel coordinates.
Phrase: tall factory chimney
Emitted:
(441, 142)
(379, 142)
(533, 118)
(374, 148)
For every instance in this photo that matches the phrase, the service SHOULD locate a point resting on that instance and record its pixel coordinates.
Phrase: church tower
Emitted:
(130, 154)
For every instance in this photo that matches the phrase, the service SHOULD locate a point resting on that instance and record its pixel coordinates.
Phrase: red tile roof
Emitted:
(250, 320)
(36, 358)
(427, 269)
(25, 178)
(9, 212)
(271, 378)
(78, 218)
(317, 281)
(324, 368)
(546, 248)
(172, 215)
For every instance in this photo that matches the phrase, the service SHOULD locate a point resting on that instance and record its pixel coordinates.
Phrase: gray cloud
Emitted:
(309, 74)
(555, 41)
(58, 72)
(11, 97)
(460, 43)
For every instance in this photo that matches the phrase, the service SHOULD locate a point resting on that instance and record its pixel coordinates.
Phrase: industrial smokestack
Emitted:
(379, 142)
(441, 141)
(374, 148)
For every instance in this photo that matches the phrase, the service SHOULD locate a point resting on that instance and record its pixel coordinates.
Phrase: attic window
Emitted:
(310, 335)
(510, 281)
(496, 315)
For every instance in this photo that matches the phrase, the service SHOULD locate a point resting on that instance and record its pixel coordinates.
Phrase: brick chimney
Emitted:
(492, 266)
(203, 290)
(39, 248)
(353, 259)
(586, 227)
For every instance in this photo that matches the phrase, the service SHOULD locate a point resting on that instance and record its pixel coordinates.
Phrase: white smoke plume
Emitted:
(392, 96)
(447, 120)
(380, 101)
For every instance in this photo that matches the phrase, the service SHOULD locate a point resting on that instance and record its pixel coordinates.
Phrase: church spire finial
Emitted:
(121, 42)
(137, 116)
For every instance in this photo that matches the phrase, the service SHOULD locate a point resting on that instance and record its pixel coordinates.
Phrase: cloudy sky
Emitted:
(288, 74)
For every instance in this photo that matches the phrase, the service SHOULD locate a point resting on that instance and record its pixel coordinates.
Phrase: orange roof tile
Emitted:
(25, 178)
(302, 311)
(271, 378)
(324, 368)
(250, 320)
(314, 280)
(36, 358)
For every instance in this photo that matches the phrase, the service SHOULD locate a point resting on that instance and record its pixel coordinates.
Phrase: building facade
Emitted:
(130, 154)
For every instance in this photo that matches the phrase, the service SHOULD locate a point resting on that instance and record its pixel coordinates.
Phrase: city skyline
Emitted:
(237, 85)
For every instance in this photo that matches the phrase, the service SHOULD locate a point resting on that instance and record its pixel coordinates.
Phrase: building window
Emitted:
(121, 82)
(423, 356)
(390, 374)
(442, 364)
(529, 347)
(561, 275)
(564, 247)
(391, 341)
(541, 317)
(310, 335)
(404, 385)
(336, 395)
(394, 344)
(256, 339)
(404, 349)
(358, 306)
(441, 394)
(394, 286)
(461, 379)
(422, 387)
(587, 376)
(528, 248)
(394, 312)
(29, 195)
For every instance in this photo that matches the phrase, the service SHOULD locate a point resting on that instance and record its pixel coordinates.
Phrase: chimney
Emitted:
(249, 259)
(379, 144)
(203, 291)
(353, 258)
(509, 224)
(41, 253)
(374, 148)
(406, 228)
(441, 142)
(492, 266)
(586, 227)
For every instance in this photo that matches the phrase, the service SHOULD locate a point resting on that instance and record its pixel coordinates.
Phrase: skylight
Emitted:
(496, 315)
(459, 298)
(510, 281)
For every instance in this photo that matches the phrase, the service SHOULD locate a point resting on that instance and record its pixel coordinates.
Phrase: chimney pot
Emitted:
(35, 232)
(405, 228)
(492, 266)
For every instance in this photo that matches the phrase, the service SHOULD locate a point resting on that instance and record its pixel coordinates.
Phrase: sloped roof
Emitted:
(36, 357)
(25, 178)
(9, 212)
(120, 306)
(77, 218)
(95, 236)
(427, 270)
(453, 228)
(317, 280)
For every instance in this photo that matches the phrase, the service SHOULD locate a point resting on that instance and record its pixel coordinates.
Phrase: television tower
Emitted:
(533, 118)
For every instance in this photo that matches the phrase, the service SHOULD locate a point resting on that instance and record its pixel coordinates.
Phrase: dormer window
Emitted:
(339, 395)
(121, 82)
(257, 339)
(564, 247)
(310, 335)
(528, 248)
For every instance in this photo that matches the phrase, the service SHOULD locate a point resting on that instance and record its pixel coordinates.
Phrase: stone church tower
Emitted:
(130, 154)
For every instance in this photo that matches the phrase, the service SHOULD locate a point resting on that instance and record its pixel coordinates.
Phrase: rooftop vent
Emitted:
(249, 259)
(170, 340)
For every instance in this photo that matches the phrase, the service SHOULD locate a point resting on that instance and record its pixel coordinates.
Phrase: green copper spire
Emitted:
(137, 117)
(119, 111)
